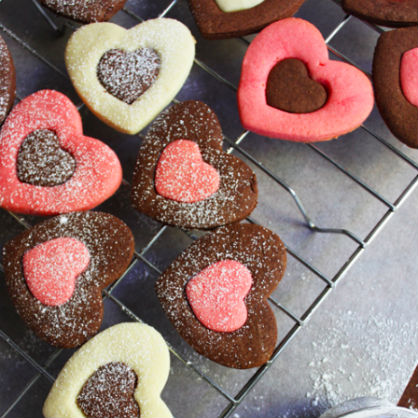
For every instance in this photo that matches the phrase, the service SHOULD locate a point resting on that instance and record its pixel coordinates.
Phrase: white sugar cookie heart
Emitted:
(139, 347)
(236, 5)
(171, 41)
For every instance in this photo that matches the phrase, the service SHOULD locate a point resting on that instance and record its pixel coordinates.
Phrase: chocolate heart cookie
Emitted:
(56, 271)
(236, 266)
(219, 19)
(394, 13)
(7, 80)
(119, 373)
(395, 80)
(85, 11)
(183, 177)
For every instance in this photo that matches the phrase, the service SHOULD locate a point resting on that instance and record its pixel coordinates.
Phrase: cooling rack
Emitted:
(324, 200)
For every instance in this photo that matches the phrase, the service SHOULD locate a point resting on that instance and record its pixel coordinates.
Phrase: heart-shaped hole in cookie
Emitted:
(128, 74)
(42, 162)
(51, 269)
(290, 88)
(109, 392)
(216, 295)
(182, 175)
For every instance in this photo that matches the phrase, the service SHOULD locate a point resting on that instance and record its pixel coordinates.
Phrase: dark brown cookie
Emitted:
(384, 12)
(236, 196)
(85, 11)
(127, 75)
(400, 115)
(42, 162)
(263, 254)
(290, 88)
(109, 393)
(7, 80)
(110, 247)
(213, 23)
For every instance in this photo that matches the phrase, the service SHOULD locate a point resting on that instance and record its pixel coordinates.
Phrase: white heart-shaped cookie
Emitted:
(236, 5)
(138, 346)
(170, 39)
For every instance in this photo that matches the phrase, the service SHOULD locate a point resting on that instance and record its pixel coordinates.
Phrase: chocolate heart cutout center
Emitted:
(127, 75)
(182, 175)
(290, 88)
(51, 269)
(109, 392)
(216, 295)
(42, 162)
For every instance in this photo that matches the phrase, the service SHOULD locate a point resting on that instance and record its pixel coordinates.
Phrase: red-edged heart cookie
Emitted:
(392, 13)
(86, 251)
(85, 11)
(183, 177)
(218, 19)
(47, 165)
(349, 92)
(244, 259)
(7, 80)
(395, 72)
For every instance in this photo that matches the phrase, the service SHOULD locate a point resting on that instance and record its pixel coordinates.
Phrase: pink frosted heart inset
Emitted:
(51, 269)
(216, 295)
(182, 175)
(409, 75)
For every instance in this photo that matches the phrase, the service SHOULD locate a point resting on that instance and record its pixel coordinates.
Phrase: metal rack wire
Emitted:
(298, 321)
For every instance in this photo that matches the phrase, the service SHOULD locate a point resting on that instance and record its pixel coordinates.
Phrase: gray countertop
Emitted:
(359, 339)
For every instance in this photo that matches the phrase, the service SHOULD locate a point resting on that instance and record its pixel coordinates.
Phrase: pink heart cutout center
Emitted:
(182, 175)
(51, 269)
(409, 75)
(216, 295)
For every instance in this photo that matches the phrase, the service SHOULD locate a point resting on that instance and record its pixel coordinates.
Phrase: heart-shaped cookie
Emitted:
(216, 295)
(182, 175)
(163, 65)
(109, 243)
(7, 80)
(349, 91)
(234, 199)
(392, 13)
(119, 373)
(85, 10)
(393, 80)
(219, 19)
(29, 180)
(263, 254)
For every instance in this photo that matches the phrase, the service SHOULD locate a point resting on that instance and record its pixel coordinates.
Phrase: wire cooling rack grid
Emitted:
(37, 38)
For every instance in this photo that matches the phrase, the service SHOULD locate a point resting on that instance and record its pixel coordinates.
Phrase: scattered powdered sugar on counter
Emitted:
(341, 370)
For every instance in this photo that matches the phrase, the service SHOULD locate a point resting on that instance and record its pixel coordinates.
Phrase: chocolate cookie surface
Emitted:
(7, 80)
(400, 115)
(85, 11)
(110, 247)
(234, 199)
(214, 23)
(263, 254)
(384, 12)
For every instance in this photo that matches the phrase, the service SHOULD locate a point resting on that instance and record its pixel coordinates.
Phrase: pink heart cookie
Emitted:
(97, 173)
(350, 93)
(217, 294)
(51, 269)
(182, 175)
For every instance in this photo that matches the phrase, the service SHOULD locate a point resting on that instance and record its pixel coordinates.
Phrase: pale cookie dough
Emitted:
(236, 5)
(171, 40)
(138, 346)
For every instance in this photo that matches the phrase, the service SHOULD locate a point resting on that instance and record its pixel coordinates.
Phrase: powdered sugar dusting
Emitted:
(6, 80)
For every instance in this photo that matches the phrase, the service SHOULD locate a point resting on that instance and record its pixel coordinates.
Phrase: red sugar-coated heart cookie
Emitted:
(97, 174)
(216, 295)
(51, 269)
(350, 93)
(182, 175)
(409, 75)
